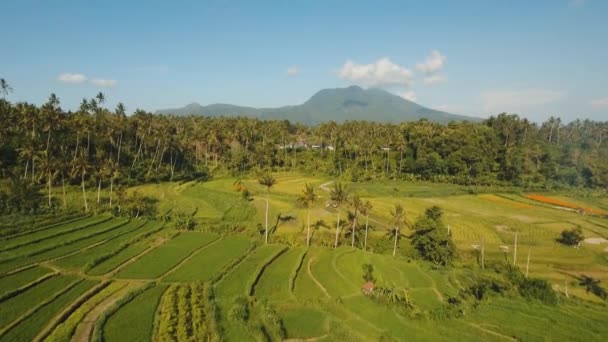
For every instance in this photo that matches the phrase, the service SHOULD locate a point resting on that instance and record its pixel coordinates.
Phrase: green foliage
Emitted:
(239, 310)
(431, 239)
(184, 220)
(20, 196)
(368, 272)
(571, 237)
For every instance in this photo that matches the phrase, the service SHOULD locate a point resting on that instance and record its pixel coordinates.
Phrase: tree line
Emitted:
(97, 147)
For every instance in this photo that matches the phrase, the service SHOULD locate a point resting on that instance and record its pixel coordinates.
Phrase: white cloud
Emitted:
(433, 63)
(103, 83)
(600, 103)
(72, 78)
(293, 71)
(518, 100)
(409, 95)
(383, 72)
(435, 79)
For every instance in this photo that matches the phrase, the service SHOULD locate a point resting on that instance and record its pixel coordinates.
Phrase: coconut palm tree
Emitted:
(398, 221)
(356, 203)
(268, 181)
(81, 167)
(5, 88)
(113, 171)
(48, 169)
(307, 199)
(365, 209)
(338, 195)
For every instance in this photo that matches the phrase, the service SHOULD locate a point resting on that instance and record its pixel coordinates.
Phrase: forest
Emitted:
(96, 147)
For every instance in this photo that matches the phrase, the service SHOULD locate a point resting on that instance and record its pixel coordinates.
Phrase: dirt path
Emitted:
(315, 279)
(311, 339)
(84, 330)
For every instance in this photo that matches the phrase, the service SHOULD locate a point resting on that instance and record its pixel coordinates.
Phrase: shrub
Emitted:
(368, 272)
(571, 237)
(239, 311)
(539, 289)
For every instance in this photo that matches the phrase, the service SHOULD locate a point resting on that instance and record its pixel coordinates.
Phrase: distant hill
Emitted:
(340, 104)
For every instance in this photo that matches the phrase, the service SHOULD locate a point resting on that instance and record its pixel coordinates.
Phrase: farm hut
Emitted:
(368, 288)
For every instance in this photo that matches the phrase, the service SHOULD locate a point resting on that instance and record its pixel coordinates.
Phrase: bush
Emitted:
(239, 311)
(539, 289)
(571, 237)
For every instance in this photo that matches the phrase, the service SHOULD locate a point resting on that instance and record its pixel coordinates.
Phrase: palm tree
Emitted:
(268, 181)
(338, 196)
(356, 204)
(398, 220)
(365, 209)
(5, 88)
(101, 98)
(112, 170)
(48, 169)
(81, 166)
(307, 199)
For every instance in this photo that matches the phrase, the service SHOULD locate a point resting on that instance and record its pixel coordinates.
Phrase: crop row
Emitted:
(132, 317)
(55, 231)
(63, 249)
(32, 326)
(80, 260)
(276, 280)
(212, 258)
(187, 313)
(101, 321)
(46, 245)
(17, 227)
(66, 328)
(12, 282)
(237, 281)
(162, 259)
(23, 304)
(102, 257)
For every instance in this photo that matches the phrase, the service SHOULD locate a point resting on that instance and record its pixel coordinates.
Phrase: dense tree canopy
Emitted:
(98, 147)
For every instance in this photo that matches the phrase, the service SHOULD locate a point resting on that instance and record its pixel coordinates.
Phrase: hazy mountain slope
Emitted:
(340, 104)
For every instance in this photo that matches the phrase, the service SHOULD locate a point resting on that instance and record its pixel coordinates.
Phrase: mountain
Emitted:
(340, 104)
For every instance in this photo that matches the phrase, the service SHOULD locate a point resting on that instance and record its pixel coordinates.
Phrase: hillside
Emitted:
(340, 104)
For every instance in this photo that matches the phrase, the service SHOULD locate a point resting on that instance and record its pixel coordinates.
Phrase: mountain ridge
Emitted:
(337, 104)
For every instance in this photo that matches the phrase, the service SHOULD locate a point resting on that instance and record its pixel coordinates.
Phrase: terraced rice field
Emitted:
(115, 279)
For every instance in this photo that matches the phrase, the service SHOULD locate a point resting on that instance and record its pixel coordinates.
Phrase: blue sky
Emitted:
(536, 58)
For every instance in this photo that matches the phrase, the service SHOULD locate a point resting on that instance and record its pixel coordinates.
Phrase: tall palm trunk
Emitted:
(366, 228)
(395, 245)
(49, 184)
(111, 186)
(308, 232)
(337, 229)
(99, 192)
(84, 195)
(27, 164)
(65, 203)
(266, 233)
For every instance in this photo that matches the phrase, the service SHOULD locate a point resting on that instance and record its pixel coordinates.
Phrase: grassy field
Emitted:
(207, 280)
